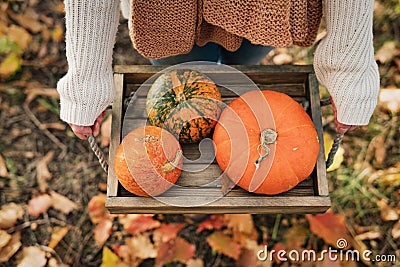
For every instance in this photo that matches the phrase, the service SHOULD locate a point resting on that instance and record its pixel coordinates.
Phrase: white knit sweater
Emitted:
(344, 60)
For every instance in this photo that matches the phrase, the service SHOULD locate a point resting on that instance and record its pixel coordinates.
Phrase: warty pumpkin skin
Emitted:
(184, 102)
(155, 161)
(296, 145)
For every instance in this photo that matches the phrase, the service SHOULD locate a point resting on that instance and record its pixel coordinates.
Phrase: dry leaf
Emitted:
(20, 36)
(54, 263)
(215, 221)
(32, 256)
(10, 65)
(139, 223)
(4, 238)
(296, 236)
(10, 214)
(339, 156)
(11, 248)
(42, 171)
(332, 228)
(39, 204)
(102, 232)
(26, 21)
(249, 256)
(57, 33)
(175, 250)
(389, 99)
(387, 52)
(136, 249)
(109, 259)
(167, 232)
(106, 132)
(97, 208)
(242, 227)
(57, 235)
(32, 93)
(396, 230)
(3, 167)
(224, 244)
(195, 263)
(62, 203)
(370, 235)
(387, 213)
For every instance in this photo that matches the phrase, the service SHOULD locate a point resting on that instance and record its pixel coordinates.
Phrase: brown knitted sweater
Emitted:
(172, 27)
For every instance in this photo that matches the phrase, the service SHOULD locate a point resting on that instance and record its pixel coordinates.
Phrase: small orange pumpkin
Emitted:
(148, 161)
(242, 144)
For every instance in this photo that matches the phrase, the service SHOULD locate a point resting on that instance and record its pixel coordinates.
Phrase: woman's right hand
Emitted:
(82, 132)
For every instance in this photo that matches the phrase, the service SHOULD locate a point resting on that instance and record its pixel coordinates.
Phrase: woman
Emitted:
(226, 31)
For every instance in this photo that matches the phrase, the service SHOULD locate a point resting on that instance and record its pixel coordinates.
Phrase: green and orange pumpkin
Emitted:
(148, 161)
(242, 144)
(184, 102)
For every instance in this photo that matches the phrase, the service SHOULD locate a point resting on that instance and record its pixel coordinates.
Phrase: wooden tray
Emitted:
(310, 196)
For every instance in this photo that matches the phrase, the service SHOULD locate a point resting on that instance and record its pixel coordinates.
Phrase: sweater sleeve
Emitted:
(344, 60)
(88, 87)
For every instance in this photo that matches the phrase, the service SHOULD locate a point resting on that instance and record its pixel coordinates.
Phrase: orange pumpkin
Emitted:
(148, 161)
(266, 152)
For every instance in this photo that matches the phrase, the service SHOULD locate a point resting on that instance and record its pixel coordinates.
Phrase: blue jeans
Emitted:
(247, 54)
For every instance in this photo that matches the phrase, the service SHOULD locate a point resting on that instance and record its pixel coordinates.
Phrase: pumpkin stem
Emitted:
(170, 166)
(268, 136)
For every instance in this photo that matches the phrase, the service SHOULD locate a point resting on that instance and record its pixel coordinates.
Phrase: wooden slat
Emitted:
(292, 89)
(254, 204)
(112, 182)
(321, 182)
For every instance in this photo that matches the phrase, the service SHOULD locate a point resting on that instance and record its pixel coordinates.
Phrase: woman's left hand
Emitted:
(341, 128)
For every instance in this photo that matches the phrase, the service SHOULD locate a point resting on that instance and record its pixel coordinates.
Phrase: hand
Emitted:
(82, 132)
(341, 128)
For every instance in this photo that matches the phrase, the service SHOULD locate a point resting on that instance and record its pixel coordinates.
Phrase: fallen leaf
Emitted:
(53, 262)
(387, 212)
(42, 172)
(396, 230)
(379, 148)
(215, 221)
(32, 256)
(339, 156)
(62, 203)
(167, 232)
(57, 33)
(387, 52)
(332, 228)
(3, 167)
(278, 247)
(109, 259)
(26, 21)
(20, 36)
(10, 214)
(32, 93)
(10, 65)
(136, 249)
(370, 235)
(282, 59)
(11, 248)
(105, 131)
(102, 232)
(242, 227)
(175, 250)
(224, 244)
(249, 256)
(139, 223)
(39, 204)
(296, 236)
(4, 238)
(97, 208)
(57, 235)
(389, 99)
(195, 263)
